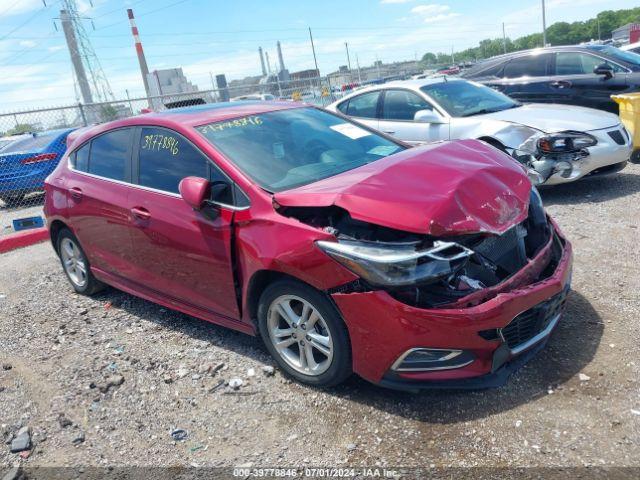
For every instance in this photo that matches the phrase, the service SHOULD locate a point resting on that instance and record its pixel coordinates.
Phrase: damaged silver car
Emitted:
(556, 143)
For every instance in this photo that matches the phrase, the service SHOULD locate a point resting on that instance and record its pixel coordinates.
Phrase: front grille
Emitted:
(533, 321)
(616, 136)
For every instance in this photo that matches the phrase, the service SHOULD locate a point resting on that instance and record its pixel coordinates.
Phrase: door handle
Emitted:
(389, 132)
(76, 193)
(141, 213)
(561, 84)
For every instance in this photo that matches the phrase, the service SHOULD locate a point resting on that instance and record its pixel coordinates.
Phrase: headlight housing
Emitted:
(565, 142)
(397, 265)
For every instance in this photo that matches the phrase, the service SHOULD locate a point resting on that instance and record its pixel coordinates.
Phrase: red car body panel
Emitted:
(378, 340)
(157, 247)
(440, 189)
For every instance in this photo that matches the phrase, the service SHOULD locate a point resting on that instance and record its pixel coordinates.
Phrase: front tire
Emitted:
(304, 333)
(76, 265)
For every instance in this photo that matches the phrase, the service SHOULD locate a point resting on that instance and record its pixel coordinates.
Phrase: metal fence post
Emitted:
(84, 118)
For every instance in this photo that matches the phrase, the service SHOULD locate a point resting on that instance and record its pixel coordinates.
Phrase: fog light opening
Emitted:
(427, 359)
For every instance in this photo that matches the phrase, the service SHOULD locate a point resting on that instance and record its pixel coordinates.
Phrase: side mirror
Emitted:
(604, 69)
(427, 116)
(194, 191)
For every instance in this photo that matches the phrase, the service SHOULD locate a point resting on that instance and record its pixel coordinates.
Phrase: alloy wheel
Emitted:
(300, 335)
(73, 262)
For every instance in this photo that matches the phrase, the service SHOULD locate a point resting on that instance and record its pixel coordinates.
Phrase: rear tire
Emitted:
(635, 156)
(76, 265)
(13, 200)
(304, 333)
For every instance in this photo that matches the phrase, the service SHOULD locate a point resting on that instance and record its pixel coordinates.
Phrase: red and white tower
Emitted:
(143, 61)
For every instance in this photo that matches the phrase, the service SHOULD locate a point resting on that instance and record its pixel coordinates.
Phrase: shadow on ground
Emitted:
(571, 347)
(596, 189)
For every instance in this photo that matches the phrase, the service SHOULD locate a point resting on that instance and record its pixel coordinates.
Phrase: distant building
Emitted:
(377, 72)
(170, 82)
(624, 33)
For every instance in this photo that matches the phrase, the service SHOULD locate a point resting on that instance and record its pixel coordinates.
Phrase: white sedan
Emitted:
(556, 143)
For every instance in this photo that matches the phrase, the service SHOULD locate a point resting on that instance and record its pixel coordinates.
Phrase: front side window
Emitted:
(527, 66)
(110, 153)
(165, 158)
(575, 63)
(288, 148)
(363, 106)
(402, 105)
(460, 98)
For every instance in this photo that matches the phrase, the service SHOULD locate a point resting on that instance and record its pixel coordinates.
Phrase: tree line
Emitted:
(560, 33)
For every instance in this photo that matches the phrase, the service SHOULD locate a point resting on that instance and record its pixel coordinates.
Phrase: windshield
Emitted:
(617, 54)
(288, 148)
(463, 99)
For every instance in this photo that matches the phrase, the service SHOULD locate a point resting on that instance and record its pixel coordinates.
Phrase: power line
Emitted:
(43, 9)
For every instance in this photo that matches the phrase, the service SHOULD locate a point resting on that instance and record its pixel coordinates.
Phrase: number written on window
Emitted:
(161, 142)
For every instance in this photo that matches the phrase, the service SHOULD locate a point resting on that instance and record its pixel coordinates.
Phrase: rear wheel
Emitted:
(76, 265)
(13, 200)
(304, 333)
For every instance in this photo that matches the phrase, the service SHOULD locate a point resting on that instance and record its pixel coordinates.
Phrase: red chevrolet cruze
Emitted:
(342, 248)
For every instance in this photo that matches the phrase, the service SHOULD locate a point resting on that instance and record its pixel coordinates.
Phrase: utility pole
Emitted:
(544, 26)
(598, 20)
(144, 69)
(76, 58)
(346, 45)
(504, 39)
(313, 49)
(358, 65)
(453, 59)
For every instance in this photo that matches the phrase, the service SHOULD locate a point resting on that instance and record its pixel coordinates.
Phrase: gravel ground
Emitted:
(106, 380)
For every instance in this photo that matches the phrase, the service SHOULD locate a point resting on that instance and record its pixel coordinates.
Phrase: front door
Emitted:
(180, 253)
(399, 107)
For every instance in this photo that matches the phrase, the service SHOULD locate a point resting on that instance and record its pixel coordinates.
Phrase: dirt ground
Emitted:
(104, 381)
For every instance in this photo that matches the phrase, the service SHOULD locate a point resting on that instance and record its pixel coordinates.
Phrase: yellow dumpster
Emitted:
(629, 104)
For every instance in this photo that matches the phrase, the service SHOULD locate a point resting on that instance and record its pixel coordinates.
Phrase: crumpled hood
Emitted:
(439, 189)
(550, 118)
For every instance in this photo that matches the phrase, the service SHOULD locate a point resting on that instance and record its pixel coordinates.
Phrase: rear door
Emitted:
(527, 79)
(97, 199)
(180, 253)
(363, 108)
(396, 117)
(585, 87)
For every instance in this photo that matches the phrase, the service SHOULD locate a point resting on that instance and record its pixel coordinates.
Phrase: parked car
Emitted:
(255, 96)
(556, 143)
(344, 249)
(577, 75)
(631, 47)
(26, 161)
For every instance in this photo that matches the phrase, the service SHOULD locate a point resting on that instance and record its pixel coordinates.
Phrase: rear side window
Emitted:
(81, 158)
(30, 144)
(165, 158)
(527, 66)
(109, 154)
(363, 106)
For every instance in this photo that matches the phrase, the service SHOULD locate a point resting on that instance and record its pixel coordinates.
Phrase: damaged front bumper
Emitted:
(383, 329)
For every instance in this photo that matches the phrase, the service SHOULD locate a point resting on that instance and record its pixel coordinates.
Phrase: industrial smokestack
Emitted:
(266, 54)
(144, 69)
(280, 57)
(264, 70)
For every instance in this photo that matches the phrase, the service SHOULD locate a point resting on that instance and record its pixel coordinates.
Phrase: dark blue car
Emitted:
(26, 161)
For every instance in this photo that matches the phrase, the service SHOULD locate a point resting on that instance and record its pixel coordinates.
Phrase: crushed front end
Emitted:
(461, 311)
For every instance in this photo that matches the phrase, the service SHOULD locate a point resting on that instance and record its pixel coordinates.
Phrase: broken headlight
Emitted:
(397, 265)
(565, 142)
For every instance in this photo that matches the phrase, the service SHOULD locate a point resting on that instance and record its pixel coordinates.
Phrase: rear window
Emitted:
(30, 144)
(527, 66)
(109, 154)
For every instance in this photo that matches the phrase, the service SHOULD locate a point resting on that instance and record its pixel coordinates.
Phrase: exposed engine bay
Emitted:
(429, 272)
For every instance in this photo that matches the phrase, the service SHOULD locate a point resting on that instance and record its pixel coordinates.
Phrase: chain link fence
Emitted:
(32, 142)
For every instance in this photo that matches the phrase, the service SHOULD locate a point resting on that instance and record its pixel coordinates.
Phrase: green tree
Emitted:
(22, 128)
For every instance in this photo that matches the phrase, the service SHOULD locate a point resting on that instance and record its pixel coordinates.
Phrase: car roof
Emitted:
(415, 84)
(190, 116)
